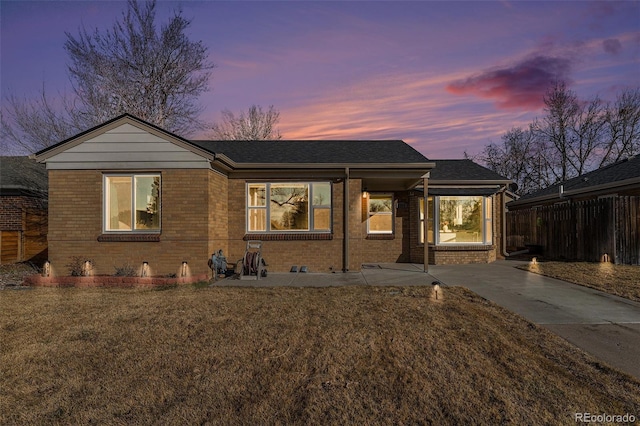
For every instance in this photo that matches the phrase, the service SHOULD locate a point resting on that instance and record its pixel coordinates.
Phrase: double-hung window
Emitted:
(289, 206)
(132, 203)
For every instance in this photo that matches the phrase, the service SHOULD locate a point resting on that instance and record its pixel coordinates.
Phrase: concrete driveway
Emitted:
(606, 326)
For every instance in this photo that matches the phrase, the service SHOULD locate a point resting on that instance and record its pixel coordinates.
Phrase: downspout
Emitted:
(503, 242)
(345, 219)
(425, 224)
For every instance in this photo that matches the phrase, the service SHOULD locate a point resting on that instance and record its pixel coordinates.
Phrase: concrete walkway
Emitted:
(378, 274)
(606, 326)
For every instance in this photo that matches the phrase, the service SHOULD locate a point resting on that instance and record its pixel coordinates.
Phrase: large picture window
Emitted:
(458, 220)
(289, 206)
(132, 203)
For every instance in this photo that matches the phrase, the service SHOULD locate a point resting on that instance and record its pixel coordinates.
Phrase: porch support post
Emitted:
(345, 218)
(425, 224)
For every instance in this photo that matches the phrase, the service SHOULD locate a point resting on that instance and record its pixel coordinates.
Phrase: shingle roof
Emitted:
(463, 170)
(623, 170)
(315, 151)
(22, 174)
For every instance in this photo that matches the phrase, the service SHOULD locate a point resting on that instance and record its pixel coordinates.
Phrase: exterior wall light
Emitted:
(184, 268)
(46, 269)
(145, 268)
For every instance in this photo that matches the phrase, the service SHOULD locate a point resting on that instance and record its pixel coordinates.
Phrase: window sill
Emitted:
(111, 238)
(296, 236)
(462, 247)
(380, 237)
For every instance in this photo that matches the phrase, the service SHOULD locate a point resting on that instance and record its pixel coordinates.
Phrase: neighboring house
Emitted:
(591, 217)
(128, 192)
(23, 210)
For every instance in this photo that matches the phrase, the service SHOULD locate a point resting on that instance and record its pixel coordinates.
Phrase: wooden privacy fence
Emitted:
(580, 230)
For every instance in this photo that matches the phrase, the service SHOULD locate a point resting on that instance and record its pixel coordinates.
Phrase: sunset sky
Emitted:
(447, 77)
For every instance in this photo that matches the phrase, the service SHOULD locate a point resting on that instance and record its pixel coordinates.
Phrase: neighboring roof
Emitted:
(610, 178)
(315, 151)
(21, 174)
(455, 171)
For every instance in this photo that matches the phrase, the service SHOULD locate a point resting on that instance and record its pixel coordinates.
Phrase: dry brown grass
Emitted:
(620, 280)
(350, 355)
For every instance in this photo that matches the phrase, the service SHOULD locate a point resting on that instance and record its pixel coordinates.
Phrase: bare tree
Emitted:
(622, 126)
(520, 157)
(253, 125)
(561, 107)
(572, 138)
(155, 74)
(586, 137)
(27, 125)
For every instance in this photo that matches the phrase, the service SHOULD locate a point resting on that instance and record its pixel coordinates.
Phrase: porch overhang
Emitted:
(374, 176)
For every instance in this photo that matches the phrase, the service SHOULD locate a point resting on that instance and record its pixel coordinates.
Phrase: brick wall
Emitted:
(218, 214)
(318, 255)
(23, 229)
(75, 223)
(388, 248)
(14, 207)
(325, 255)
(204, 211)
(11, 213)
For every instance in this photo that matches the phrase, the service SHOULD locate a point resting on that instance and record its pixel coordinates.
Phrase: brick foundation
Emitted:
(107, 281)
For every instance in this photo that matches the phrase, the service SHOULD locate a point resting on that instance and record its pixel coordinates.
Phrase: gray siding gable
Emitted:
(126, 147)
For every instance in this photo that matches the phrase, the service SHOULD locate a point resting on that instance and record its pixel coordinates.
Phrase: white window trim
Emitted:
(487, 224)
(267, 208)
(391, 213)
(105, 201)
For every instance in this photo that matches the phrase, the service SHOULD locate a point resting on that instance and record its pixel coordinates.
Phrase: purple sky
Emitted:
(447, 77)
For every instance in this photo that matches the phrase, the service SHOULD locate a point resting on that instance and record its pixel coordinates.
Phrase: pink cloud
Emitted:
(520, 86)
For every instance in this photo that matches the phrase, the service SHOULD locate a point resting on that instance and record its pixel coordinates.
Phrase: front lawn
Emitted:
(619, 280)
(344, 355)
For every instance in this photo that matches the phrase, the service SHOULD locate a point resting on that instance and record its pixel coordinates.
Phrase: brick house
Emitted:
(23, 210)
(126, 192)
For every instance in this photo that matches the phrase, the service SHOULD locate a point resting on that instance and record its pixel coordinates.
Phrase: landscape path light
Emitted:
(86, 268)
(436, 287)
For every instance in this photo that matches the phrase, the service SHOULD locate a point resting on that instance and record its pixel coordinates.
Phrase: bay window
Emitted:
(132, 203)
(289, 206)
(458, 220)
